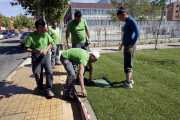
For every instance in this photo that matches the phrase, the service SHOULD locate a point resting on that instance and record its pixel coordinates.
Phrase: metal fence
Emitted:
(148, 31)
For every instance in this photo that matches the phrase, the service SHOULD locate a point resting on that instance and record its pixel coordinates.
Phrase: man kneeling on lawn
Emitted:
(82, 57)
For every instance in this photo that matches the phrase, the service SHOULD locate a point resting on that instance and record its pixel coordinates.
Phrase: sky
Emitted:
(7, 10)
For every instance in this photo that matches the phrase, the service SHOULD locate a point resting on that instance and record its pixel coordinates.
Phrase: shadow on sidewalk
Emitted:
(55, 73)
(9, 89)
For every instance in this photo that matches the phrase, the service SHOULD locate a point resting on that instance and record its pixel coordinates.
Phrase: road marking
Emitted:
(14, 48)
(6, 53)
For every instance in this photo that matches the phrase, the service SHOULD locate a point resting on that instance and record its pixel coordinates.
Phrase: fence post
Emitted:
(105, 35)
(99, 36)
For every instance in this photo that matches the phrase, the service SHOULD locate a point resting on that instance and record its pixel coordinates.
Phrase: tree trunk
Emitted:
(156, 41)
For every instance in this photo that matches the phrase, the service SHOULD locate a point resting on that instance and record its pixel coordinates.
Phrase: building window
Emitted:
(177, 6)
(176, 16)
(104, 12)
(176, 11)
(74, 10)
(83, 12)
(97, 11)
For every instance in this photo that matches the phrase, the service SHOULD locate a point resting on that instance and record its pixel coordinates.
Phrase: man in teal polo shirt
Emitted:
(39, 43)
(82, 57)
(55, 32)
(78, 29)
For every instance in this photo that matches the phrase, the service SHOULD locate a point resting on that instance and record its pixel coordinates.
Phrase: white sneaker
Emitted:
(49, 93)
(125, 85)
(131, 80)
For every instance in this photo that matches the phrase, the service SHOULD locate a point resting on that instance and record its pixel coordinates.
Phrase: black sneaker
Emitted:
(42, 92)
(68, 97)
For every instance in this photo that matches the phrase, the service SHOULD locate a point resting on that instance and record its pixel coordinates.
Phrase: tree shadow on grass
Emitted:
(111, 49)
(174, 45)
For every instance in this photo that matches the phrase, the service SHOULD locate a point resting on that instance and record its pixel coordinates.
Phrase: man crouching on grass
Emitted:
(82, 57)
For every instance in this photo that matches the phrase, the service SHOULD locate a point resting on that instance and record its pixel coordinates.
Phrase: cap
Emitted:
(95, 53)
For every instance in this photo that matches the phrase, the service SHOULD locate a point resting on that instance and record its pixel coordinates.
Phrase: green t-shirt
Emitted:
(41, 42)
(55, 35)
(78, 31)
(76, 55)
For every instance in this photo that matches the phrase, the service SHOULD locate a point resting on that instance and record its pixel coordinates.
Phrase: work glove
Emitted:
(89, 41)
(69, 45)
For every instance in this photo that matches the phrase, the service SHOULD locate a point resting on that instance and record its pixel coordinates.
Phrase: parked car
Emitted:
(14, 34)
(7, 35)
(23, 37)
(1, 37)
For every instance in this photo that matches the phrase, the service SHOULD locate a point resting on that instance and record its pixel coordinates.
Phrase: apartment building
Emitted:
(173, 11)
(93, 13)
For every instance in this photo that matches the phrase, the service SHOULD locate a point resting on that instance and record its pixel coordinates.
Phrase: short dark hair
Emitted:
(39, 22)
(77, 13)
(121, 11)
(54, 22)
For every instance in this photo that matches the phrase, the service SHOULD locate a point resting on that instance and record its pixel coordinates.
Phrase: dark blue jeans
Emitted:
(38, 63)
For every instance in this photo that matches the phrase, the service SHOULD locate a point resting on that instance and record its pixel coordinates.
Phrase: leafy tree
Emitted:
(1, 19)
(17, 23)
(6, 22)
(31, 24)
(24, 20)
(161, 4)
(53, 9)
(138, 9)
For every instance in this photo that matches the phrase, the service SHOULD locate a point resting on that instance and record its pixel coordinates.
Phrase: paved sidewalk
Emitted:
(20, 99)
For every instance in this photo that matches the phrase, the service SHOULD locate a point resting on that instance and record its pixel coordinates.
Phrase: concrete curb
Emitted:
(86, 104)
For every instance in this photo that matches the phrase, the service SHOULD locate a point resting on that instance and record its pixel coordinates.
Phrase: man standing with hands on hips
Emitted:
(78, 28)
(55, 32)
(39, 43)
(130, 36)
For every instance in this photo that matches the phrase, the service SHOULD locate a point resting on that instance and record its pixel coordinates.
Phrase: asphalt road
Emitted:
(11, 55)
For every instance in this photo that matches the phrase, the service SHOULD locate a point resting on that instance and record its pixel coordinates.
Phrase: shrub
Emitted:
(151, 42)
(162, 41)
(142, 43)
(170, 41)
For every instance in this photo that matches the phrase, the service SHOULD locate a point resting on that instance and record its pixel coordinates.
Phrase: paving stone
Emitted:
(20, 95)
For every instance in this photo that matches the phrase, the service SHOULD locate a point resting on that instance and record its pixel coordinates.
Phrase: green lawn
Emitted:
(155, 94)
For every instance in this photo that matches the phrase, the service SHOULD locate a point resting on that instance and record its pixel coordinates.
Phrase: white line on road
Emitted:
(6, 53)
(14, 48)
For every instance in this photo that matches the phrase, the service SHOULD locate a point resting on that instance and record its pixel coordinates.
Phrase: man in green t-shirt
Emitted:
(39, 43)
(82, 57)
(55, 32)
(78, 29)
